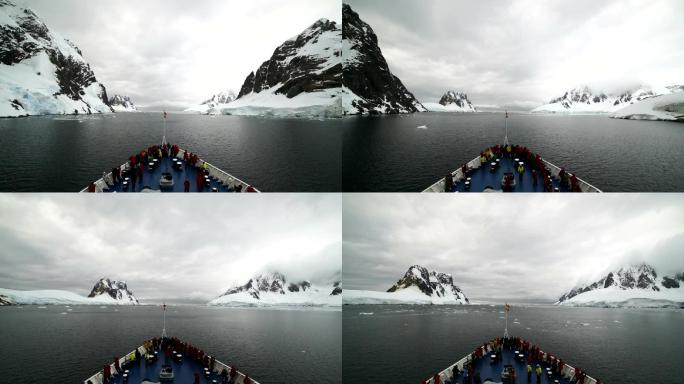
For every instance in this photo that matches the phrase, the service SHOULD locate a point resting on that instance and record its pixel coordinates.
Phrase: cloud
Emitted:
(175, 51)
(508, 247)
(525, 52)
(166, 248)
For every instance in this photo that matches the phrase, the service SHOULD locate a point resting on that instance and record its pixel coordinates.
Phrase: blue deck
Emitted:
(491, 371)
(483, 178)
(186, 361)
(184, 371)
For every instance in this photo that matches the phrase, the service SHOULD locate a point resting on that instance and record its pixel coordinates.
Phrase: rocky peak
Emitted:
(431, 283)
(117, 290)
(308, 62)
(366, 72)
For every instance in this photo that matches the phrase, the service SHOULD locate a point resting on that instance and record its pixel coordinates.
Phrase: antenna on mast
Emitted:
(164, 326)
(506, 124)
(507, 308)
(164, 138)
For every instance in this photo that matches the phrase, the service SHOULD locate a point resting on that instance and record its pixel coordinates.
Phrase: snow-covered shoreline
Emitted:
(57, 297)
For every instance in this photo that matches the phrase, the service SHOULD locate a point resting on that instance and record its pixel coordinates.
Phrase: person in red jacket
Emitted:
(199, 180)
(436, 379)
(247, 380)
(91, 187)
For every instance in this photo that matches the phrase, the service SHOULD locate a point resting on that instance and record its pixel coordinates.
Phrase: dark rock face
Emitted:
(337, 290)
(367, 74)
(296, 70)
(4, 300)
(641, 276)
(430, 283)
(271, 282)
(115, 289)
(72, 75)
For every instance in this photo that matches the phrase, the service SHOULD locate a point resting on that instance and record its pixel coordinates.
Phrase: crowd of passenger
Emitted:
(527, 161)
(138, 163)
(534, 359)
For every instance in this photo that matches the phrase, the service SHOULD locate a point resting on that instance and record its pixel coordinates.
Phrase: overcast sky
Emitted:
(178, 52)
(522, 53)
(166, 248)
(504, 247)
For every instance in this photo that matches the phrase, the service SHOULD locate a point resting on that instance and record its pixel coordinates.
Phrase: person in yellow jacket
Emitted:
(521, 170)
(538, 371)
(529, 373)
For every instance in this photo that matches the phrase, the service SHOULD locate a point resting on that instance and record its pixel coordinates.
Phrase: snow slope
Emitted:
(326, 103)
(210, 104)
(50, 297)
(664, 107)
(411, 295)
(41, 72)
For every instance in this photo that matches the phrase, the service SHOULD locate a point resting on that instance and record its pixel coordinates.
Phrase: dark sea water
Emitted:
(55, 345)
(406, 344)
(390, 153)
(64, 153)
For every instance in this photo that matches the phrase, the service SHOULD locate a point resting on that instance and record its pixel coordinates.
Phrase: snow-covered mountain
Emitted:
(272, 289)
(633, 286)
(41, 72)
(117, 290)
(209, 105)
(368, 85)
(302, 78)
(417, 286)
(121, 103)
(105, 292)
(584, 100)
(451, 101)
(664, 107)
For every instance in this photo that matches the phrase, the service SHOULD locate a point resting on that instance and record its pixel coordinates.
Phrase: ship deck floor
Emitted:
(492, 371)
(184, 371)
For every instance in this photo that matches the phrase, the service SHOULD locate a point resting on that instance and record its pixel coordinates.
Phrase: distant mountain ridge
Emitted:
(634, 282)
(273, 289)
(583, 99)
(121, 103)
(369, 86)
(452, 101)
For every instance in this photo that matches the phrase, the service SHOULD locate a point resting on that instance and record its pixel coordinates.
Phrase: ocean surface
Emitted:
(390, 153)
(63, 345)
(406, 344)
(65, 153)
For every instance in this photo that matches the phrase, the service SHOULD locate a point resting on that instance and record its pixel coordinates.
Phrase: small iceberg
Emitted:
(422, 127)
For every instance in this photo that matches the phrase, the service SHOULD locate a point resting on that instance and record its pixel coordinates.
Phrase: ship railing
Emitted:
(104, 182)
(458, 176)
(218, 368)
(447, 375)
(223, 176)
